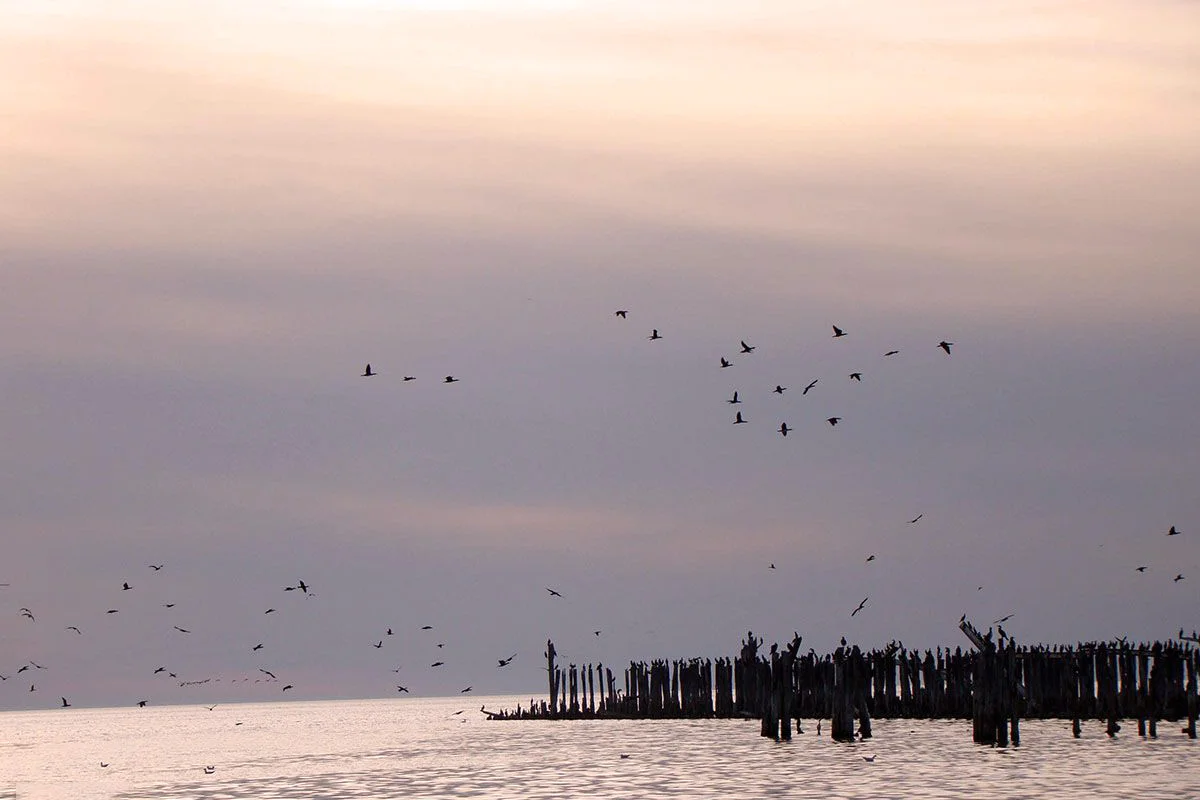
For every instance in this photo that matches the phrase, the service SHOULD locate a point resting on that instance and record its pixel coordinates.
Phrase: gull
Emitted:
(504, 662)
(1173, 532)
(654, 334)
(806, 388)
(946, 346)
(746, 348)
(155, 567)
(834, 420)
(860, 606)
(856, 376)
(838, 332)
(735, 399)
(450, 379)
(913, 521)
(73, 628)
(622, 313)
(404, 689)
(368, 373)
(160, 669)
(725, 363)
(181, 630)
(36, 665)
(739, 420)
(890, 353)
(1005, 618)
(779, 389)
(553, 593)
(214, 705)
(784, 429)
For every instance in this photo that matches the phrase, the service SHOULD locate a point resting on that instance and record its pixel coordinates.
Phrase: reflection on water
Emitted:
(420, 748)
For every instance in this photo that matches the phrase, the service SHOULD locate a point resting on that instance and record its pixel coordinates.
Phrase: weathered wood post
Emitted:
(552, 674)
(841, 724)
(1193, 657)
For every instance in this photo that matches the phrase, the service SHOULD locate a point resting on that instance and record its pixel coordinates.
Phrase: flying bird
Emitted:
(209, 770)
(1173, 531)
(25, 612)
(861, 606)
(269, 611)
(112, 611)
(181, 630)
(214, 705)
(596, 632)
(436, 664)
(870, 558)
(289, 686)
(142, 703)
(65, 704)
(450, 379)
(368, 372)
(1141, 569)
(890, 353)
(746, 348)
(302, 586)
(856, 376)
(256, 647)
(784, 429)
(834, 420)
(168, 605)
(402, 689)
(735, 399)
(408, 378)
(914, 520)
(160, 669)
(504, 662)
(426, 627)
(464, 691)
(946, 346)
(838, 332)
(725, 363)
(378, 644)
(1005, 618)
(806, 388)
(779, 389)
(73, 628)
(1177, 578)
(654, 334)
(268, 673)
(389, 632)
(125, 587)
(739, 420)
(553, 593)
(103, 764)
(155, 567)
(622, 313)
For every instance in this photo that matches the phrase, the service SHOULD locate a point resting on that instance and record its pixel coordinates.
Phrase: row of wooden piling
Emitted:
(994, 685)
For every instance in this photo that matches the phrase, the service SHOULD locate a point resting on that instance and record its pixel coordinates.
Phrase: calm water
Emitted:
(419, 748)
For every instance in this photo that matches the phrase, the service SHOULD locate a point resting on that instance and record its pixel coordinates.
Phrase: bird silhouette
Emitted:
(302, 586)
(890, 353)
(103, 763)
(168, 605)
(504, 662)
(256, 647)
(289, 686)
(735, 401)
(779, 389)
(1005, 618)
(622, 313)
(181, 630)
(725, 363)
(772, 565)
(155, 567)
(209, 770)
(214, 705)
(268, 673)
(654, 334)
(870, 558)
(596, 632)
(914, 520)
(142, 703)
(65, 704)
(553, 593)
(837, 332)
(946, 346)
(1177, 578)
(368, 372)
(1141, 569)
(73, 628)
(426, 627)
(861, 606)
(112, 611)
(784, 429)
(400, 688)
(437, 664)
(269, 611)
(389, 632)
(125, 587)
(746, 348)
(856, 376)
(450, 379)
(408, 378)
(834, 420)
(806, 388)
(160, 669)
(1173, 531)
(738, 420)
(464, 691)
(25, 612)
(378, 644)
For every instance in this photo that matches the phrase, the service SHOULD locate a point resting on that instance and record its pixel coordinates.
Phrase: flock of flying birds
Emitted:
(267, 676)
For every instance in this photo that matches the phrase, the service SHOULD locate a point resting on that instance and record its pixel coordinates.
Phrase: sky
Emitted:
(214, 215)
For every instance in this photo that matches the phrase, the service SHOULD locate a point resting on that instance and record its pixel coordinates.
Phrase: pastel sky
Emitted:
(213, 216)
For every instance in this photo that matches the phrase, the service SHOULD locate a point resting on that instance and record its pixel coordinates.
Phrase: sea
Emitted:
(445, 747)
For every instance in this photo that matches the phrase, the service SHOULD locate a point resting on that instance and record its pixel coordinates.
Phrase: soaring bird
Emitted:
(654, 334)
(1141, 569)
(155, 567)
(268, 673)
(464, 691)
(1173, 531)
(834, 420)
(739, 420)
(302, 586)
(73, 628)
(856, 376)
(746, 348)
(914, 520)
(25, 612)
(725, 363)
(168, 605)
(946, 346)
(160, 669)
(125, 587)
(181, 630)
(504, 662)
(838, 332)
(112, 611)
(209, 770)
(870, 558)
(65, 704)
(378, 644)
(214, 705)
(779, 389)
(735, 399)
(400, 688)
(142, 703)
(811, 385)
(408, 378)
(289, 686)
(450, 379)
(1177, 578)
(784, 429)
(256, 647)
(23, 668)
(1003, 619)
(553, 593)
(368, 372)
(104, 763)
(437, 664)
(861, 606)
(269, 611)
(426, 627)
(890, 353)
(622, 313)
